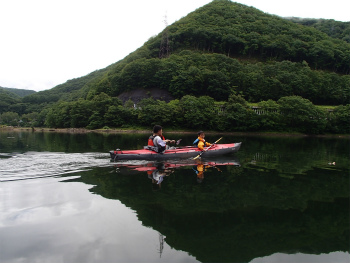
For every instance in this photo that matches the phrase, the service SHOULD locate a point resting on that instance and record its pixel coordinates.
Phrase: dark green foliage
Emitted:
(221, 49)
(70, 91)
(269, 116)
(274, 80)
(81, 113)
(119, 116)
(334, 29)
(7, 99)
(301, 115)
(239, 116)
(199, 113)
(215, 75)
(339, 119)
(17, 92)
(290, 114)
(10, 118)
(31, 119)
(205, 46)
(152, 112)
(234, 29)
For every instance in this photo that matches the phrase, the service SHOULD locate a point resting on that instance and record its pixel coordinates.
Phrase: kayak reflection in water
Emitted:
(157, 171)
(158, 175)
(200, 169)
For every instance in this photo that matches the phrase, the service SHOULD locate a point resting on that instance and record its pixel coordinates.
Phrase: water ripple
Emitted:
(29, 165)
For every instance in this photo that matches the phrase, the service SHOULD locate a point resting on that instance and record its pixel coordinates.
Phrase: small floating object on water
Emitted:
(333, 163)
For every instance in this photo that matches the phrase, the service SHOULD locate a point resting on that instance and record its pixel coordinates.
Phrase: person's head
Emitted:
(201, 134)
(157, 129)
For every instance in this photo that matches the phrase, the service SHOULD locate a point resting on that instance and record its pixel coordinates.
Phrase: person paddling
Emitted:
(200, 141)
(157, 142)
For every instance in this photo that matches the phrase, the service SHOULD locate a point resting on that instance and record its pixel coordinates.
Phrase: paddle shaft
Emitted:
(206, 149)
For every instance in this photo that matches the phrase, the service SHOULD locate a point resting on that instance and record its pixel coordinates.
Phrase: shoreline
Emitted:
(111, 131)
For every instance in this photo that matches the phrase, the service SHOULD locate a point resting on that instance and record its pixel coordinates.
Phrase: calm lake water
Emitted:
(279, 199)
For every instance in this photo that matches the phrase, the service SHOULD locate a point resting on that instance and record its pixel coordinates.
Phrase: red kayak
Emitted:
(177, 153)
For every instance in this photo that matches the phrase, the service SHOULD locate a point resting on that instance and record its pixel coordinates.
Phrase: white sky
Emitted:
(47, 42)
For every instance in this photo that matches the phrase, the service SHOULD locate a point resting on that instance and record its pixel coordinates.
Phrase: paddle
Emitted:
(199, 155)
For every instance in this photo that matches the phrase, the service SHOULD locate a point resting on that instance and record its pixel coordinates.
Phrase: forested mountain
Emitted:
(332, 28)
(220, 50)
(224, 46)
(17, 92)
(69, 91)
(7, 99)
(227, 46)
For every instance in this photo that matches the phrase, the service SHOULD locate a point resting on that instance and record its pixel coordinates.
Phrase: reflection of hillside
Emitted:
(285, 164)
(237, 214)
(23, 141)
(294, 155)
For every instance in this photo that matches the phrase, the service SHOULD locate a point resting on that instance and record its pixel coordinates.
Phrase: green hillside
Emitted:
(223, 50)
(334, 29)
(17, 92)
(226, 46)
(7, 99)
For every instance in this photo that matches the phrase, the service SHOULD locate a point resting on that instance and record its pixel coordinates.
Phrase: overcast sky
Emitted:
(47, 42)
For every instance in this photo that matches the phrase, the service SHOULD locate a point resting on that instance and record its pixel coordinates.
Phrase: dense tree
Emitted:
(339, 120)
(334, 29)
(199, 112)
(59, 116)
(100, 104)
(269, 117)
(299, 114)
(238, 115)
(31, 119)
(120, 116)
(80, 112)
(10, 118)
(6, 100)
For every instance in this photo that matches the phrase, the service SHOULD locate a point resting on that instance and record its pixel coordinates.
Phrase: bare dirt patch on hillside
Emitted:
(138, 94)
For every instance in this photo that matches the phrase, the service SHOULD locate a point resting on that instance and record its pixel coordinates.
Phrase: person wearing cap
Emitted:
(200, 141)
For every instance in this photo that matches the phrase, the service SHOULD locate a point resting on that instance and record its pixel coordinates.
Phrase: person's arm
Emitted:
(160, 141)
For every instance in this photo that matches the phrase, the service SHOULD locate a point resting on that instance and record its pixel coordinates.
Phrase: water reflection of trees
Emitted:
(237, 214)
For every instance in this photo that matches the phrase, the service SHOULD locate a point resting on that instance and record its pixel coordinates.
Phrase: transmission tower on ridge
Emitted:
(164, 44)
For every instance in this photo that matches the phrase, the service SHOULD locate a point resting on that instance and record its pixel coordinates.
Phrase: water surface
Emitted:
(279, 199)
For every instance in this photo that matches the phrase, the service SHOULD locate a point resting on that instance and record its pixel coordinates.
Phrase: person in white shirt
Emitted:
(157, 140)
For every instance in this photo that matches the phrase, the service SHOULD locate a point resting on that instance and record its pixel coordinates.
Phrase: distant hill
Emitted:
(19, 92)
(69, 91)
(224, 48)
(7, 99)
(333, 28)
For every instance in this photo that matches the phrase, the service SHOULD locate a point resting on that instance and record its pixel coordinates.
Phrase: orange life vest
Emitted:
(151, 138)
